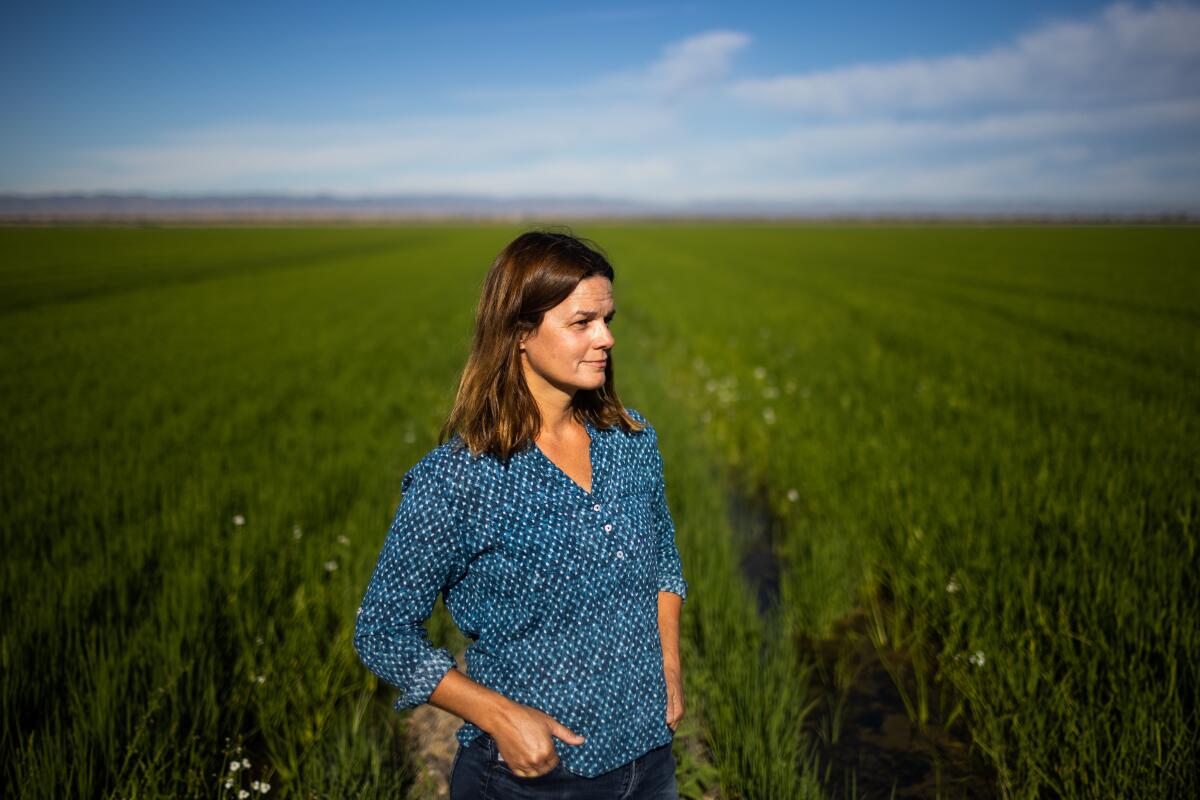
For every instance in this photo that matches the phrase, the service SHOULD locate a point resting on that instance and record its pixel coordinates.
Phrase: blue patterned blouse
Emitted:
(557, 587)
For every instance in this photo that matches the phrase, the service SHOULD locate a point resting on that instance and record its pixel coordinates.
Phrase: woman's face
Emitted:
(569, 350)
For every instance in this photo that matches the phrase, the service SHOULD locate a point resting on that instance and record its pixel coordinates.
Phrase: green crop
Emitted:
(976, 450)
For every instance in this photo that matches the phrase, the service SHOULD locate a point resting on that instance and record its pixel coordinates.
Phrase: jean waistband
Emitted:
(486, 741)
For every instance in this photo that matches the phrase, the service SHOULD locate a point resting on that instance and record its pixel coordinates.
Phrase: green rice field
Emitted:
(936, 491)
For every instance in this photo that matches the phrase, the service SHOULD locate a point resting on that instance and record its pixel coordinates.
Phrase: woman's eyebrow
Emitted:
(590, 314)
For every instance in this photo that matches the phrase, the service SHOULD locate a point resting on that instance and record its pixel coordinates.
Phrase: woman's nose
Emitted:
(605, 339)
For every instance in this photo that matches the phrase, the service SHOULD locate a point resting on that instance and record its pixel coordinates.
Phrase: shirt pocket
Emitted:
(511, 596)
(531, 565)
(639, 533)
(515, 574)
(553, 549)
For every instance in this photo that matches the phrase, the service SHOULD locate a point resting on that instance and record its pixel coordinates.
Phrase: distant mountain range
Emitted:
(16, 208)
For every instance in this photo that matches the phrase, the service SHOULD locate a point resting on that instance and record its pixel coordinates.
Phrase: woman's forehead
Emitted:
(591, 295)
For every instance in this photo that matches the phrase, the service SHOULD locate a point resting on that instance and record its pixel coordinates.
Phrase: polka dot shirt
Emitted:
(557, 587)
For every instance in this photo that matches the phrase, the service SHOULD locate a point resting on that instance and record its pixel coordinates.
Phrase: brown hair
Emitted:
(494, 411)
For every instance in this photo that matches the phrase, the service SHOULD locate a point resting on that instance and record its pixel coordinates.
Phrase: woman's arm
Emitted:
(668, 627)
(522, 733)
(669, 605)
(419, 557)
(474, 702)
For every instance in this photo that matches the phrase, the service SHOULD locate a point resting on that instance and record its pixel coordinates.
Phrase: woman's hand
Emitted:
(523, 738)
(674, 695)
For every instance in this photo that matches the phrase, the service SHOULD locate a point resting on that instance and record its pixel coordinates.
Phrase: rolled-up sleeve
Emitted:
(421, 556)
(670, 568)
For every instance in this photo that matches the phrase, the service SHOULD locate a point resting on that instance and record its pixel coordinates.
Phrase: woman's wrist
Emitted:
(495, 713)
(485, 708)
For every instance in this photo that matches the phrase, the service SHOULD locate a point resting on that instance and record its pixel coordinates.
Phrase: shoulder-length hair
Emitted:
(494, 411)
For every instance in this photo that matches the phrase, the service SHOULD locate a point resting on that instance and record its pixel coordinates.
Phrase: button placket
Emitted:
(608, 525)
(608, 528)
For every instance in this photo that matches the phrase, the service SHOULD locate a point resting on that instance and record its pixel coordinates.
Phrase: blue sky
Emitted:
(1070, 103)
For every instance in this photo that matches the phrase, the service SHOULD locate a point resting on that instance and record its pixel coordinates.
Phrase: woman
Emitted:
(544, 523)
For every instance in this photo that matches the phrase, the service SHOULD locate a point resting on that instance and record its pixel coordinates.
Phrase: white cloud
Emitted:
(695, 62)
(364, 157)
(896, 140)
(684, 70)
(1124, 54)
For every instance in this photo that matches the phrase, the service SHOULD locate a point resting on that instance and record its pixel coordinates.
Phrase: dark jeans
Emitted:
(479, 774)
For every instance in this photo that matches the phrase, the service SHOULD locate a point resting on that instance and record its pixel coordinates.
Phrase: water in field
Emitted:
(870, 744)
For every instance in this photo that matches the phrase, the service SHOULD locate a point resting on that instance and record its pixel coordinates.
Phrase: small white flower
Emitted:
(793, 495)
(297, 533)
(254, 785)
(229, 783)
(770, 392)
(264, 787)
(243, 794)
(330, 566)
(952, 586)
(245, 763)
(760, 373)
(234, 766)
(977, 658)
(239, 520)
(343, 539)
(258, 640)
(260, 678)
(769, 415)
(359, 612)
(410, 436)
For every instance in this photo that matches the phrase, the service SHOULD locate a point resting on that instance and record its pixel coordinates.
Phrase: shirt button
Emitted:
(607, 527)
(620, 554)
(596, 507)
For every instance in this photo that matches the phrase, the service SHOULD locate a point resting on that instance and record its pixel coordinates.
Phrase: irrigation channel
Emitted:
(869, 743)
